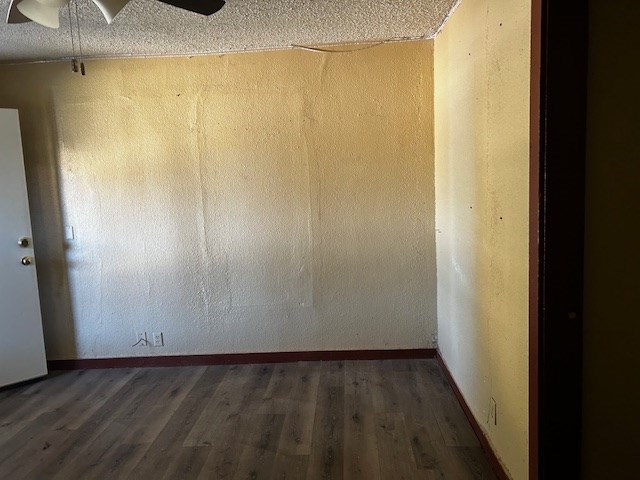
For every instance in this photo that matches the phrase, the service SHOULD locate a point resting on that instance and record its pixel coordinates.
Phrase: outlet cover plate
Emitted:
(493, 412)
(158, 339)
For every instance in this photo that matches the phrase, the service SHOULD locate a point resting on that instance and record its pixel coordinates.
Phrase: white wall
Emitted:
(481, 83)
(259, 202)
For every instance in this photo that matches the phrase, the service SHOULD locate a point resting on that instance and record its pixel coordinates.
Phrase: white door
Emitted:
(22, 354)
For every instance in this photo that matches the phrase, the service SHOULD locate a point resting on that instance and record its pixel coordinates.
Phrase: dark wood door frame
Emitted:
(558, 132)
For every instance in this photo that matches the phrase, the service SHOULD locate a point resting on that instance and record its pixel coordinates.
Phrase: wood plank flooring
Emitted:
(389, 419)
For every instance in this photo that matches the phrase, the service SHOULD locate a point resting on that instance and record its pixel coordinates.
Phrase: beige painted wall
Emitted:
(254, 202)
(612, 238)
(481, 87)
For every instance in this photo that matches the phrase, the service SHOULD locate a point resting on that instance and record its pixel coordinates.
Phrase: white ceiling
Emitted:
(149, 27)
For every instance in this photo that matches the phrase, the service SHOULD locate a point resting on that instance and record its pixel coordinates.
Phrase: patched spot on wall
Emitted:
(254, 158)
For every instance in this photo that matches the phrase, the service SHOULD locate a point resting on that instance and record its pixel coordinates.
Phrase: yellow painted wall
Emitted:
(255, 202)
(612, 240)
(481, 84)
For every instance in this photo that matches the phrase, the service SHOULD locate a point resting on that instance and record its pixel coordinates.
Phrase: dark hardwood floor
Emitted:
(391, 419)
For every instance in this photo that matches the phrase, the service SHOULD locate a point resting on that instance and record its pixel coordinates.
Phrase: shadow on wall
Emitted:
(43, 183)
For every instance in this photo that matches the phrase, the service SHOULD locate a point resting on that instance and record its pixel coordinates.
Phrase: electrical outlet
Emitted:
(141, 339)
(493, 412)
(158, 339)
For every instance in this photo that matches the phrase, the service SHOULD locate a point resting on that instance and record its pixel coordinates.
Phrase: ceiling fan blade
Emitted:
(110, 8)
(14, 15)
(44, 12)
(203, 7)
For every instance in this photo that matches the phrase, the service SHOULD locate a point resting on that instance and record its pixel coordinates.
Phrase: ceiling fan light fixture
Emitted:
(44, 12)
(110, 8)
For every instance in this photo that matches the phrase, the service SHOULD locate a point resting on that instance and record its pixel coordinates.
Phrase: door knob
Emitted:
(23, 242)
(26, 260)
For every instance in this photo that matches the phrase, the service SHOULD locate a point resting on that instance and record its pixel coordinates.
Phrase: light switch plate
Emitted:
(69, 234)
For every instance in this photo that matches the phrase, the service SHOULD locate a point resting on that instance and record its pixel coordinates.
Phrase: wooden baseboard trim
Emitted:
(496, 464)
(239, 358)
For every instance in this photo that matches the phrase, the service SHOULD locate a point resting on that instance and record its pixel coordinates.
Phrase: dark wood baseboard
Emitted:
(239, 358)
(496, 464)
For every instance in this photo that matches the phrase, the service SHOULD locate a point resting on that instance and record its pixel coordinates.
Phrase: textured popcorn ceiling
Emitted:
(148, 27)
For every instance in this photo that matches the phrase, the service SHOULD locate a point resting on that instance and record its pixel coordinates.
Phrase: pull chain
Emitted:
(75, 2)
(74, 62)
(78, 58)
